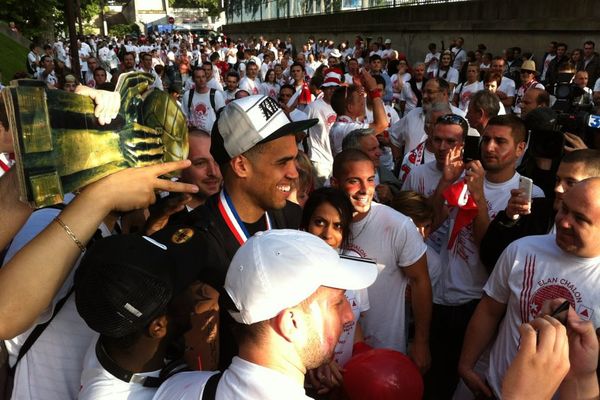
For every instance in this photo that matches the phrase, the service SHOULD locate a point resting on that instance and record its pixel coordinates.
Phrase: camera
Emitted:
(571, 112)
(575, 109)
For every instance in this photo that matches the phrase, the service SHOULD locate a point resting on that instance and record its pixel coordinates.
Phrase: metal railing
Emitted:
(240, 11)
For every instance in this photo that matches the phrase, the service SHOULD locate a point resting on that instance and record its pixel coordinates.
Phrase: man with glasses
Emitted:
(528, 81)
(447, 132)
(407, 133)
(467, 197)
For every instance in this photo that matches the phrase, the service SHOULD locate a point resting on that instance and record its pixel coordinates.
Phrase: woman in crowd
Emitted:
(270, 87)
(328, 214)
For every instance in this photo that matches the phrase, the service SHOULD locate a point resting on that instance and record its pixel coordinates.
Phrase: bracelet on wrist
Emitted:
(70, 233)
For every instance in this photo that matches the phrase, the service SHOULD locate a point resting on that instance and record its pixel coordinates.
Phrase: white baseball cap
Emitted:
(245, 122)
(280, 268)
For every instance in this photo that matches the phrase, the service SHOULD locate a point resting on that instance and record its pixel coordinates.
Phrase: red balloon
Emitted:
(382, 374)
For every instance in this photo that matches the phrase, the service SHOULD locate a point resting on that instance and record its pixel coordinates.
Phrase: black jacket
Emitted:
(502, 231)
(203, 236)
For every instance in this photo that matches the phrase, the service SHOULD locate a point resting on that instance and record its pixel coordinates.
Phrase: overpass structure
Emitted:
(412, 24)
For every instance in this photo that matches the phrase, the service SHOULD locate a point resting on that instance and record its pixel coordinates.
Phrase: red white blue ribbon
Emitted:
(233, 220)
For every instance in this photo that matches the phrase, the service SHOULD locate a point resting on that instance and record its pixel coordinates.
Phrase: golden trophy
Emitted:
(60, 146)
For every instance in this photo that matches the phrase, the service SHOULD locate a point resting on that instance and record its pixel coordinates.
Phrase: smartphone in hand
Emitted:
(471, 150)
(526, 185)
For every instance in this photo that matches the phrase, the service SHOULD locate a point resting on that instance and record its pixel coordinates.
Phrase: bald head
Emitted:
(578, 220)
(533, 99)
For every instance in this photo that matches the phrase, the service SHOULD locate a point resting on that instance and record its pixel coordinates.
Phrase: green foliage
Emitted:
(213, 6)
(13, 58)
(41, 18)
(124, 30)
(33, 18)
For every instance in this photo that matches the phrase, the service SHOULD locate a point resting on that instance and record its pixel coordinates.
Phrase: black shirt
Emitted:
(202, 236)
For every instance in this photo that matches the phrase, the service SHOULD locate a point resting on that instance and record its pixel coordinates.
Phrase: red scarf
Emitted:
(458, 195)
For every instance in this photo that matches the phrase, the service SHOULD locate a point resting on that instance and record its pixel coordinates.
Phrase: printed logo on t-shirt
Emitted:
(358, 250)
(534, 294)
(331, 119)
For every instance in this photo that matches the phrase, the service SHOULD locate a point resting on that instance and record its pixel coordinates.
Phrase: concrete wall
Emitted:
(497, 23)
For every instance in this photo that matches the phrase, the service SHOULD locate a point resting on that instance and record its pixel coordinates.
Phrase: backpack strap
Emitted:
(36, 333)
(190, 97)
(210, 389)
(212, 99)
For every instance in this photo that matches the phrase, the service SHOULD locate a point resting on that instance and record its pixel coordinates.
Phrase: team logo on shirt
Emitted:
(201, 109)
(182, 235)
(534, 294)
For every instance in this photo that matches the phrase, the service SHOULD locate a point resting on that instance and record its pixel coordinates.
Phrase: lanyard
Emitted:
(233, 220)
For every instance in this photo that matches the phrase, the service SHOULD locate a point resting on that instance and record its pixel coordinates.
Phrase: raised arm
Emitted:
(30, 280)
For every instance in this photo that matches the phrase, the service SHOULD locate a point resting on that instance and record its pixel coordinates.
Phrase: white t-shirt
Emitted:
(434, 267)
(465, 91)
(392, 239)
(359, 302)
(214, 84)
(530, 271)
(409, 131)
(433, 65)
(84, 52)
(463, 274)
(342, 127)
(507, 86)
(549, 57)
(249, 85)
(460, 56)
(201, 114)
(241, 380)
(451, 75)
(423, 179)
(318, 137)
(99, 384)
(417, 156)
(52, 367)
(409, 96)
(269, 89)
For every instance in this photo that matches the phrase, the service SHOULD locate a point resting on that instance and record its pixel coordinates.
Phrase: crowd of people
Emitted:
(336, 200)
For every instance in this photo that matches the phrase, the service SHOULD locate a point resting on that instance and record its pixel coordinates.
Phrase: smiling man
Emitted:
(531, 271)
(383, 234)
(254, 144)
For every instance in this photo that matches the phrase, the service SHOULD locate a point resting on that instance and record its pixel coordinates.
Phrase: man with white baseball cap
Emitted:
(286, 292)
(254, 143)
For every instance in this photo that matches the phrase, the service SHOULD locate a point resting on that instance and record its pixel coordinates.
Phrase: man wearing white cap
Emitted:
(387, 50)
(286, 294)
(318, 139)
